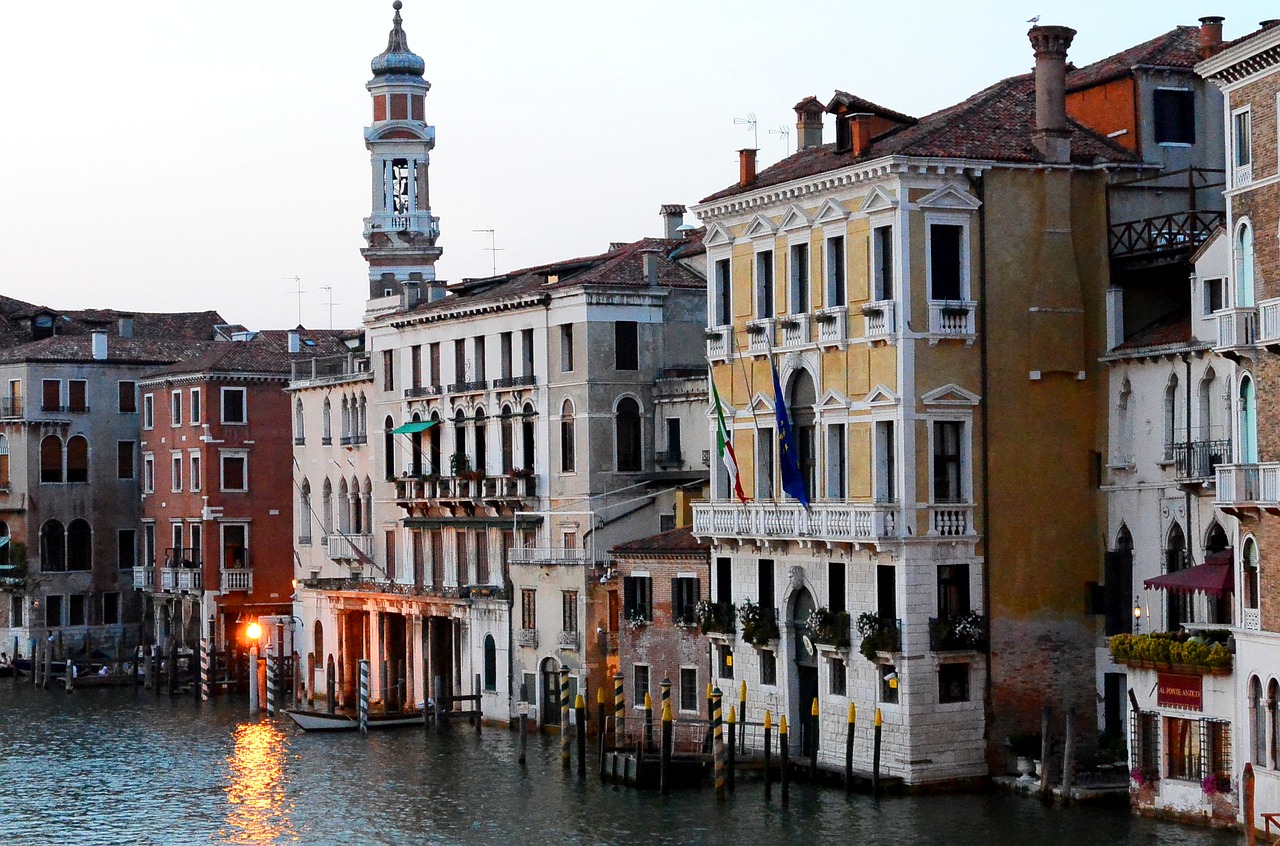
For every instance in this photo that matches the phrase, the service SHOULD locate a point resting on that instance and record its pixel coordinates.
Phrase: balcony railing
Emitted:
(957, 632)
(330, 368)
(1269, 322)
(423, 391)
(1252, 619)
(547, 555)
(527, 637)
(951, 519)
(515, 382)
(184, 557)
(1163, 233)
(468, 386)
(1248, 485)
(355, 440)
(880, 319)
(719, 342)
(831, 325)
(834, 521)
(144, 578)
(1242, 175)
(669, 458)
(1237, 328)
(953, 318)
(570, 640)
(180, 579)
(419, 488)
(420, 221)
(1197, 460)
(793, 330)
(760, 335)
(11, 407)
(344, 547)
(237, 580)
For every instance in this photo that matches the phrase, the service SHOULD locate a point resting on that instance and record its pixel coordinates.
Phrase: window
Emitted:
(234, 402)
(839, 677)
(882, 262)
(16, 607)
(1244, 265)
(148, 411)
(51, 459)
(235, 472)
(459, 360)
(388, 370)
(764, 283)
(196, 410)
(1213, 295)
(685, 593)
(885, 470)
(235, 546)
(946, 280)
(128, 397)
(124, 459)
(768, 667)
(836, 584)
(722, 294)
(1217, 737)
(149, 544)
(688, 689)
(77, 459)
(415, 366)
(764, 463)
(953, 590)
(626, 345)
(433, 350)
(1241, 148)
(764, 586)
(77, 395)
(1175, 116)
(799, 279)
(148, 473)
(568, 452)
(953, 683)
(197, 477)
(4, 465)
(51, 395)
(175, 471)
(627, 429)
(724, 661)
(76, 610)
(566, 348)
(1249, 562)
(569, 611)
(641, 685)
(53, 549)
(837, 462)
(637, 598)
(947, 486)
(836, 295)
(478, 364)
(490, 664)
(175, 408)
(1183, 749)
(673, 441)
(505, 351)
(888, 683)
(79, 545)
(526, 351)
(528, 608)
(126, 548)
(53, 611)
(110, 608)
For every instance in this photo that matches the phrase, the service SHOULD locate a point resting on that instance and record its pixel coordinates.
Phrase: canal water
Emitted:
(126, 767)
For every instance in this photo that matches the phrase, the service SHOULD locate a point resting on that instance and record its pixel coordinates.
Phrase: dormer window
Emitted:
(1175, 115)
(42, 326)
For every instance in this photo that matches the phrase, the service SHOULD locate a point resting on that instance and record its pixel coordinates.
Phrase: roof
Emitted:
(1173, 328)
(1177, 48)
(680, 541)
(853, 104)
(266, 352)
(79, 348)
(996, 124)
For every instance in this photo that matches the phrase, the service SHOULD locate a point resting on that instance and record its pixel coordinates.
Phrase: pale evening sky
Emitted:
(179, 156)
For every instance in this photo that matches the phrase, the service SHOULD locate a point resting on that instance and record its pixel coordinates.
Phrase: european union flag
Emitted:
(788, 452)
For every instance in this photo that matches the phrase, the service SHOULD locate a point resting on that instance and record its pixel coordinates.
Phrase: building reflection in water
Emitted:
(259, 811)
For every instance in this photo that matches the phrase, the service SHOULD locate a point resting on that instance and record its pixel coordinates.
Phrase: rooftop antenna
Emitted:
(297, 280)
(493, 248)
(750, 122)
(329, 290)
(785, 132)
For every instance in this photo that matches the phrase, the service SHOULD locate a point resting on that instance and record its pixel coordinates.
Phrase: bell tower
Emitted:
(400, 232)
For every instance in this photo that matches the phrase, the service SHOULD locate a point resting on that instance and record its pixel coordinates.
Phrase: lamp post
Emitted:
(253, 631)
(1137, 615)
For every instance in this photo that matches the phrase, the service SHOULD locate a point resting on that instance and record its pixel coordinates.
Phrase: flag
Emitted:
(788, 453)
(724, 446)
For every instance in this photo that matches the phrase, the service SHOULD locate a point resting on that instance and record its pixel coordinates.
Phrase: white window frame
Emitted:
(799, 239)
(196, 471)
(713, 301)
(828, 462)
(225, 454)
(697, 681)
(1233, 153)
(884, 475)
(175, 471)
(884, 220)
(648, 668)
(244, 392)
(197, 403)
(756, 280)
(148, 411)
(222, 543)
(961, 219)
(148, 472)
(828, 281)
(966, 456)
(766, 434)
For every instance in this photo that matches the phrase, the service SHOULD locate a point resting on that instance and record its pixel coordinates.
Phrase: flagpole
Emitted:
(749, 384)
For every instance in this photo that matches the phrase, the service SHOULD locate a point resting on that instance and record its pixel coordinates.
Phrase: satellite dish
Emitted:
(808, 644)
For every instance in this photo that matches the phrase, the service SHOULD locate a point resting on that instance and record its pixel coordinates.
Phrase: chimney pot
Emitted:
(1210, 35)
(809, 123)
(746, 167)
(1052, 135)
(650, 260)
(859, 132)
(672, 219)
(99, 344)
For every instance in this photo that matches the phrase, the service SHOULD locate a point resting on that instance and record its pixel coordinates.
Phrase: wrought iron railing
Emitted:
(1164, 233)
(1200, 459)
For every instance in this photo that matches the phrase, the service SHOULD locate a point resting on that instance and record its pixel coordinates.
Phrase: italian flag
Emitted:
(724, 446)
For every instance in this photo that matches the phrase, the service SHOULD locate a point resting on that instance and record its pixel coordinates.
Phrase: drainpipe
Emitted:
(978, 186)
(1188, 549)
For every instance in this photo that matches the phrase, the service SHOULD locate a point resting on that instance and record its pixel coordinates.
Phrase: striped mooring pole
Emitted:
(564, 718)
(664, 696)
(273, 686)
(619, 713)
(206, 645)
(717, 739)
(362, 704)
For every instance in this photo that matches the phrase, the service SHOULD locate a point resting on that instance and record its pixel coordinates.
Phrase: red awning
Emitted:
(1211, 579)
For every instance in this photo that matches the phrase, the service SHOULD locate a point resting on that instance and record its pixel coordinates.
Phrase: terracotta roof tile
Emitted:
(1177, 48)
(674, 540)
(267, 352)
(1174, 328)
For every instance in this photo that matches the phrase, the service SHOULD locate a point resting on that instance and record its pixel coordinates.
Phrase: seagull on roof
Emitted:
(1036, 19)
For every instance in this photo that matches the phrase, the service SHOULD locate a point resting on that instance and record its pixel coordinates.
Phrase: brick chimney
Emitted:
(1210, 35)
(746, 167)
(859, 132)
(809, 123)
(672, 219)
(1052, 136)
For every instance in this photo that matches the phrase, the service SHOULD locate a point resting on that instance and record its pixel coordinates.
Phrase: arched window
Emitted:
(326, 507)
(1208, 417)
(1244, 265)
(346, 421)
(4, 463)
(51, 459)
(368, 506)
(1273, 706)
(53, 550)
(304, 513)
(327, 423)
(1177, 605)
(79, 545)
(508, 439)
(568, 452)
(1258, 723)
(460, 462)
(415, 450)
(482, 457)
(77, 459)
(627, 435)
(344, 507)
(299, 430)
(802, 400)
(357, 509)
(526, 435)
(433, 442)
(1170, 417)
(388, 448)
(490, 664)
(4, 547)
(317, 648)
(1248, 424)
(1124, 427)
(362, 419)
(1249, 564)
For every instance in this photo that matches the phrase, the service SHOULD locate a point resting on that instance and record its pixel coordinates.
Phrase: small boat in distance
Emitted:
(324, 721)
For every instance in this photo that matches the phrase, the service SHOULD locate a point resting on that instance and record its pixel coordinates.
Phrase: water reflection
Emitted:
(258, 810)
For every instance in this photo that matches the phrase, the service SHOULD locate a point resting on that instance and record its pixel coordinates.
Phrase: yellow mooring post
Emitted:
(848, 748)
(784, 749)
(875, 756)
(731, 748)
(664, 763)
(580, 715)
(742, 717)
(619, 713)
(648, 722)
(600, 701)
(717, 739)
(813, 741)
(768, 755)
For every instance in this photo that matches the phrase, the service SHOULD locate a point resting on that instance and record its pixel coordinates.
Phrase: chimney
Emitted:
(411, 292)
(125, 327)
(1210, 35)
(295, 341)
(99, 344)
(808, 123)
(435, 290)
(651, 258)
(1052, 137)
(672, 219)
(859, 132)
(746, 168)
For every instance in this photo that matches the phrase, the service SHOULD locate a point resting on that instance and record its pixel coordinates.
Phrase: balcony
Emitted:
(760, 335)
(957, 633)
(349, 547)
(719, 343)
(1269, 323)
(11, 408)
(420, 221)
(547, 556)
(832, 326)
(527, 637)
(182, 557)
(1197, 461)
(470, 488)
(1242, 175)
(144, 578)
(669, 458)
(880, 320)
(793, 331)
(181, 580)
(422, 391)
(1237, 329)
(826, 521)
(468, 387)
(354, 440)
(950, 520)
(1252, 620)
(1248, 486)
(570, 640)
(237, 580)
(508, 382)
(953, 318)
(1182, 231)
(330, 368)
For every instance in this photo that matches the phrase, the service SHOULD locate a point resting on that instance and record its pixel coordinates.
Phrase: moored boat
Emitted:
(324, 721)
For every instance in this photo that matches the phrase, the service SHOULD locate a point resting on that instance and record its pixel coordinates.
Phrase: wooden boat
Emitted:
(324, 721)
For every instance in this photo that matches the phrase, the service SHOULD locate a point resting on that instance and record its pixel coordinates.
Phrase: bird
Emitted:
(1036, 19)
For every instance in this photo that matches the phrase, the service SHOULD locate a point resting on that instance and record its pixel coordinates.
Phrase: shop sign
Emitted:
(1174, 690)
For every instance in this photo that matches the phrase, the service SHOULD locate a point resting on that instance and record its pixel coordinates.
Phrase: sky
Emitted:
(164, 156)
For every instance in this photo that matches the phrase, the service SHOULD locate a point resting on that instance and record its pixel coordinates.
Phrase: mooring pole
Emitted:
(717, 740)
(1247, 786)
(619, 713)
(742, 717)
(1068, 755)
(768, 755)
(848, 748)
(664, 766)
(648, 721)
(600, 730)
(813, 727)
(253, 678)
(875, 754)
(664, 696)
(331, 688)
(784, 750)
(524, 726)
(731, 749)
(580, 715)
(362, 703)
(1045, 746)
(564, 718)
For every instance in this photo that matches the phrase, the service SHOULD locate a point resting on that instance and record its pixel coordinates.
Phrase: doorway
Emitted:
(806, 664)
(549, 693)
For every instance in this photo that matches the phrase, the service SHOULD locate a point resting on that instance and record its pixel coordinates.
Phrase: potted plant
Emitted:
(714, 617)
(1025, 747)
(879, 634)
(830, 627)
(759, 625)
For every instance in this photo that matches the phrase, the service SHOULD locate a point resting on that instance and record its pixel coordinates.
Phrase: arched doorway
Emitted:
(549, 692)
(802, 400)
(805, 655)
(1177, 605)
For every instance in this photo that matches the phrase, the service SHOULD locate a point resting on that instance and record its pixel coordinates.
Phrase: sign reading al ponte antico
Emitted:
(1174, 690)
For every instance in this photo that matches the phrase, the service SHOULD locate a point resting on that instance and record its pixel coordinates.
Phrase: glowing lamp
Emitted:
(254, 631)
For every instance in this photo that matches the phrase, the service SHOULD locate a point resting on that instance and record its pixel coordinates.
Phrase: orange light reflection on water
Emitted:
(259, 811)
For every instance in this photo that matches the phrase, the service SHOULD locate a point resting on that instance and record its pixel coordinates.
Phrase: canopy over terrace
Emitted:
(1216, 577)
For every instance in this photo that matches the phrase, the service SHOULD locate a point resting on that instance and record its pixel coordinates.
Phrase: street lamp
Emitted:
(254, 631)
(1137, 615)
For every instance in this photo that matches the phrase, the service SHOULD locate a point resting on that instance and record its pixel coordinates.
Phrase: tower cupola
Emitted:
(398, 58)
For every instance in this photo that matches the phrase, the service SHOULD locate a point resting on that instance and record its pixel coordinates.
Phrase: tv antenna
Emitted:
(329, 290)
(296, 280)
(493, 248)
(750, 122)
(785, 132)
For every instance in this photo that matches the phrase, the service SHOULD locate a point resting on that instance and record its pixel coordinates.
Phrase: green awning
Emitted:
(413, 428)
